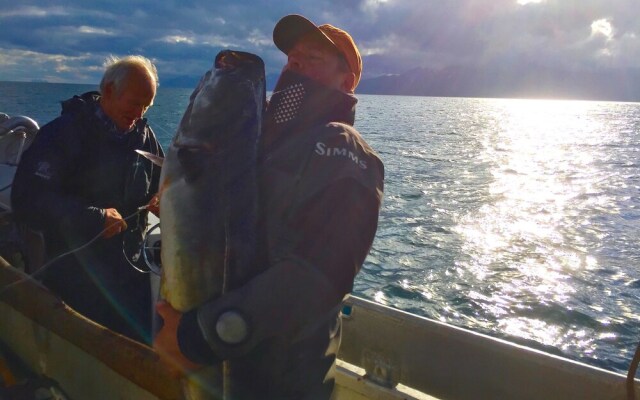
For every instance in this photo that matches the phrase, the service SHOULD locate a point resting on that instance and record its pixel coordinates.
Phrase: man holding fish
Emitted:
(320, 188)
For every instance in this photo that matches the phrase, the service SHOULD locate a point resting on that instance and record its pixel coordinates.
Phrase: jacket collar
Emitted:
(299, 103)
(88, 104)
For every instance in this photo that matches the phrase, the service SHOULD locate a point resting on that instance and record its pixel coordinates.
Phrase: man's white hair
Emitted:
(117, 69)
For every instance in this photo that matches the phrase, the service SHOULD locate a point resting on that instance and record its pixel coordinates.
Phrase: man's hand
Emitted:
(154, 205)
(166, 341)
(113, 223)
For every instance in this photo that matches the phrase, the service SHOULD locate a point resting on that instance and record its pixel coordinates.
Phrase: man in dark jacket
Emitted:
(321, 190)
(81, 179)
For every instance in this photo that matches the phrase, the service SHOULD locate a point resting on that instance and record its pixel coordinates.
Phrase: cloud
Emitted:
(394, 35)
(602, 27)
(88, 30)
(49, 67)
(177, 39)
(525, 2)
(34, 12)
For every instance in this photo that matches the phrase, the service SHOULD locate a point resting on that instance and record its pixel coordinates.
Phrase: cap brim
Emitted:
(291, 28)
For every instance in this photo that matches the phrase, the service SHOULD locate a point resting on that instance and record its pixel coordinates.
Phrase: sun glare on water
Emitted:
(529, 224)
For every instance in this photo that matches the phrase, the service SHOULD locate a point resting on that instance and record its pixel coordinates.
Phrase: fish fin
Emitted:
(157, 160)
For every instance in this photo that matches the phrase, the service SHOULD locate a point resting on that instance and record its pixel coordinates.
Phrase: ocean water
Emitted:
(518, 219)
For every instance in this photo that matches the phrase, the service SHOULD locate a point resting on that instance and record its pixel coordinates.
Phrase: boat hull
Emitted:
(454, 363)
(86, 359)
(386, 354)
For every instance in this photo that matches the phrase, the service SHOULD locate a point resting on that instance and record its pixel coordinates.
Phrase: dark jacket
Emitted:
(77, 166)
(321, 189)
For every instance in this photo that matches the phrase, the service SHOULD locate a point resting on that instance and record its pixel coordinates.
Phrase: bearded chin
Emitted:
(289, 78)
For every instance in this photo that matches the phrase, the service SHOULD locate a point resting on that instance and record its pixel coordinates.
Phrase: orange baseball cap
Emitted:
(292, 27)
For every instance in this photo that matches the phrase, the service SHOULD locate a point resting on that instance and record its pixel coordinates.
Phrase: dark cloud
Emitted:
(68, 40)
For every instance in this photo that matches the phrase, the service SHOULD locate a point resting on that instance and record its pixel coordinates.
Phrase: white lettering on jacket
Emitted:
(323, 150)
(43, 170)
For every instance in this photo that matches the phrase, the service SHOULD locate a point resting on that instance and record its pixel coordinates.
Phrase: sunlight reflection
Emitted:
(537, 174)
(533, 329)
(379, 297)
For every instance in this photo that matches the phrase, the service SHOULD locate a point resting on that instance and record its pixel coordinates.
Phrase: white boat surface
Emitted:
(385, 353)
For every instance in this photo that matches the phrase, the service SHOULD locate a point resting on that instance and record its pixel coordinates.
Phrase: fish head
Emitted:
(229, 97)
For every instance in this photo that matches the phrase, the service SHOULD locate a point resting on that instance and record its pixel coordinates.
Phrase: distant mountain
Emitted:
(192, 81)
(522, 82)
(613, 85)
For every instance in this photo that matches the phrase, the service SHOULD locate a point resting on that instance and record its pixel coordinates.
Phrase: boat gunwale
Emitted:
(134, 361)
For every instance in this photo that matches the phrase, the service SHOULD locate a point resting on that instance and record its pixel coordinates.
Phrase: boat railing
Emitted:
(16, 133)
(394, 347)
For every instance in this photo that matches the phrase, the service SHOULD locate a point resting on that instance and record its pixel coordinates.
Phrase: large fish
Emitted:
(208, 189)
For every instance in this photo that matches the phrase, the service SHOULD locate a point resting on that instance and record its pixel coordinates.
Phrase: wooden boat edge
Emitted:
(134, 361)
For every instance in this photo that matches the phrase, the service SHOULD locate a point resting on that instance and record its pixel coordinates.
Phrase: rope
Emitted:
(32, 276)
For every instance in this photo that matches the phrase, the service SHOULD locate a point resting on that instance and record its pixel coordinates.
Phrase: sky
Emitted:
(68, 41)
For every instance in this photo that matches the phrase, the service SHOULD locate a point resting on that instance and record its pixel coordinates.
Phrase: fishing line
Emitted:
(43, 268)
(151, 264)
(165, 131)
(153, 270)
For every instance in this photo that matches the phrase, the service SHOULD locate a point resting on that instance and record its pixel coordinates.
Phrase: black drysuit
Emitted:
(77, 166)
(321, 188)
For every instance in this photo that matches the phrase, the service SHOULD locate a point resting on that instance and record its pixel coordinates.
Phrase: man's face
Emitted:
(129, 104)
(319, 61)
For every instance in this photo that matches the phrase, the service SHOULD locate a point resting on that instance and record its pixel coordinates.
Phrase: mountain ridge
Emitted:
(502, 82)
(537, 82)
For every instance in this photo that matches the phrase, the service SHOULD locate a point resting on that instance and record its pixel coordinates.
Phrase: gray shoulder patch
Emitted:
(44, 170)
